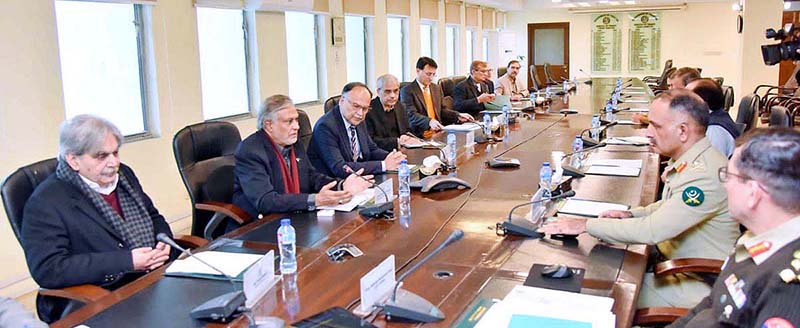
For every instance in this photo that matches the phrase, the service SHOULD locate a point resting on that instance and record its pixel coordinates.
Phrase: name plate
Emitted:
(259, 278)
(377, 284)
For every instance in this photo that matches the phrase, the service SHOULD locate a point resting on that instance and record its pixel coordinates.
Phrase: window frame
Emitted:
(404, 39)
(433, 37)
(456, 44)
(319, 48)
(367, 34)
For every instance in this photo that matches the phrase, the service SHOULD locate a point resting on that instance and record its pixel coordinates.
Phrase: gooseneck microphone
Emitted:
(219, 308)
(377, 210)
(575, 172)
(589, 81)
(525, 228)
(591, 142)
(407, 306)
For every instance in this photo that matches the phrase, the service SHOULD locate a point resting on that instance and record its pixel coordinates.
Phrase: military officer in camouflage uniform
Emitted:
(690, 221)
(758, 286)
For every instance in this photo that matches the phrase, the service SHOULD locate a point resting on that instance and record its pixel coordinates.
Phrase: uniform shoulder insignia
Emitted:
(680, 167)
(693, 196)
(777, 322)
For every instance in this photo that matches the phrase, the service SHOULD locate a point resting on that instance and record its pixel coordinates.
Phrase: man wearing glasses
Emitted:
(470, 95)
(509, 85)
(758, 285)
(340, 140)
(690, 221)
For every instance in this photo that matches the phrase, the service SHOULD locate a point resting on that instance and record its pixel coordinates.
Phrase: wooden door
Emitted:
(549, 43)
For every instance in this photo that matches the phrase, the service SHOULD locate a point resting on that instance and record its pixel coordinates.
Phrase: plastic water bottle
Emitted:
(577, 147)
(595, 131)
(575, 81)
(487, 124)
(609, 112)
(566, 86)
(505, 117)
(404, 190)
(451, 149)
(286, 240)
(546, 178)
(615, 100)
(547, 93)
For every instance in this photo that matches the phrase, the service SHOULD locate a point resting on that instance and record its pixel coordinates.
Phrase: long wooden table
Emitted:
(483, 265)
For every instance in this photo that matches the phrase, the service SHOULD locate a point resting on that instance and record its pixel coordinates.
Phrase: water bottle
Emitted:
(595, 131)
(546, 178)
(505, 118)
(547, 93)
(404, 177)
(609, 112)
(575, 81)
(487, 124)
(565, 98)
(577, 147)
(451, 149)
(615, 100)
(286, 240)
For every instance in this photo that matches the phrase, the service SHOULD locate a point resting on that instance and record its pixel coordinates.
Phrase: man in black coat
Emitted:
(272, 173)
(387, 119)
(340, 139)
(470, 95)
(90, 222)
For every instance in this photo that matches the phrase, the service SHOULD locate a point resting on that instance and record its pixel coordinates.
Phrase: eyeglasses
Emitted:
(357, 106)
(724, 175)
(485, 71)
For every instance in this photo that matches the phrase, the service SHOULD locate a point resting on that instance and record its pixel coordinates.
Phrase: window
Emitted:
(485, 48)
(397, 48)
(356, 48)
(301, 53)
(470, 46)
(223, 62)
(451, 46)
(102, 56)
(427, 39)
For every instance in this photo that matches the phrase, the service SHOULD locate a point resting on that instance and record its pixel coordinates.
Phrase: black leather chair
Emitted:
(501, 71)
(537, 83)
(548, 74)
(304, 134)
(447, 85)
(457, 79)
(727, 92)
(15, 190)
(655, 80)
(331, 102)
(748, 112)
(404, 84)
(780, 116)
(204, 154)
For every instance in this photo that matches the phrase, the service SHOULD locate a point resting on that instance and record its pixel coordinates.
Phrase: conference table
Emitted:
(482, 266)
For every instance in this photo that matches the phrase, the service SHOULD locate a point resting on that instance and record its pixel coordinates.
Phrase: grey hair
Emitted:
(383, 79)
(85, 134)
(687, 102)
(270, 108)
(771, 156)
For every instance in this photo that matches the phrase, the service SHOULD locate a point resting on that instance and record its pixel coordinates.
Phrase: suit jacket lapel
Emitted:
(344, 138)
(275, 164)
(85, 206)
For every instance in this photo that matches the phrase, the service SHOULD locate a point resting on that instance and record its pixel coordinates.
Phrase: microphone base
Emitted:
(382, 210)
(410, 307)
(520, 227)
(572, 171)
(590, 142)
(220, 308)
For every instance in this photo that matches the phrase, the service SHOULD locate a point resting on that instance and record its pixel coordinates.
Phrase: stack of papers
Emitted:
(633, 141)
(538, 307)
(425, 144)
(462, 127)
(358, 199)
(616, 167)
(589, 208)
(232, 264)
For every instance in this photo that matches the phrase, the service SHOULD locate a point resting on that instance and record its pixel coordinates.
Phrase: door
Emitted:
(549, 43)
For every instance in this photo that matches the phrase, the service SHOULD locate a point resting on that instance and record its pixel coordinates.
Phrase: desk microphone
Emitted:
(589, 82)
(510, 228)
(575, 172)
(385, 209)
(591, 142)
(219, 308)
(407, 306)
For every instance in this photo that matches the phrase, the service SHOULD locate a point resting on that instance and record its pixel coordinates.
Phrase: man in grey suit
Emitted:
(425, 98)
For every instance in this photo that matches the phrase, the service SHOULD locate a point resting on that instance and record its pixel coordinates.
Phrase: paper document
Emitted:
(232, 264)
(636, 163)
(462, 127)
(639, 109)
(634, 92)
(614, 171)
(636, 101)
(633, 141)
(425, 144)
(589, 208)
(358, 199)
(627, 122)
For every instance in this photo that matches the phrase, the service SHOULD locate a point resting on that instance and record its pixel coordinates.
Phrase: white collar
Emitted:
(102, 190)
(421, 86)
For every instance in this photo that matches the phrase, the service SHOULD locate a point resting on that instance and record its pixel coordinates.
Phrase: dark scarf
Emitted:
(291, 183)
(137, 227)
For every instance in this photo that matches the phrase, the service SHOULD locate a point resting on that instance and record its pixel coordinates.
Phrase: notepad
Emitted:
(232, 264)
(462, 127)
(636, 101)
(627, 122)
(614, 171)
(590, 208)
(358, 199)
(632, 141)
(639, 109)
(634, 163)
(425, 144)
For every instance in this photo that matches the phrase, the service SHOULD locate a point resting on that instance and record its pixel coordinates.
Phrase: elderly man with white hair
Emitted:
(90, 222)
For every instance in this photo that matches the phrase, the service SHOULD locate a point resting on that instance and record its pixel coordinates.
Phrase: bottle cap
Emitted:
(286, 221)
(404, 162)
(546, 164)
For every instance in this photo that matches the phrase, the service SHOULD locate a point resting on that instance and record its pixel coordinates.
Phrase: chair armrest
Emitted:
(696, 265)
(81, 293)
(229, 210)
(658, 315)
(189, 241)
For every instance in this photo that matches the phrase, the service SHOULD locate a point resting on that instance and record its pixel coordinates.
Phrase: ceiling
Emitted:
(512, 5)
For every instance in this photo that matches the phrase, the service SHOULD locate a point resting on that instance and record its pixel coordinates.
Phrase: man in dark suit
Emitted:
(425, 98)
(341, 140)
(90, 222)
(478, 89)
(273, 173)
(387, 120)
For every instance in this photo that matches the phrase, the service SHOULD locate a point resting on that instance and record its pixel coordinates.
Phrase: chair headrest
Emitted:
(203, 141)
(19, 186)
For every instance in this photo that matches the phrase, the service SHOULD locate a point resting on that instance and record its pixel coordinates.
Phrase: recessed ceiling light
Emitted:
(584, 4)
(736, 7)
(556, 1)
(602, 1)
(630, 2)
(614, 3)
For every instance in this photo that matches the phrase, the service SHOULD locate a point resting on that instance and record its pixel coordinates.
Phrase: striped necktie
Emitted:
(354, 143)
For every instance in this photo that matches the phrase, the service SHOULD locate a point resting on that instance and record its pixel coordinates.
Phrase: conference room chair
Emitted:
(719, 79)
(204, 154)
(780, 116)
(501, 71)
(748, 111)
(15, 191)
(728, 95)
(657, 80)
(404, 84)
(537, 83)
(447, 85)
(305, 132)
(662, 85)
(767, 94)
(548, 74)
(331, 102)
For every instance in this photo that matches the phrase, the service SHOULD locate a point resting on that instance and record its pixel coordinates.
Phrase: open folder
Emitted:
(589, 208)
(232, 264)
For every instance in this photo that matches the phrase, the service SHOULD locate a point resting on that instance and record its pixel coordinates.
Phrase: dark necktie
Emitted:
(354, 143)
